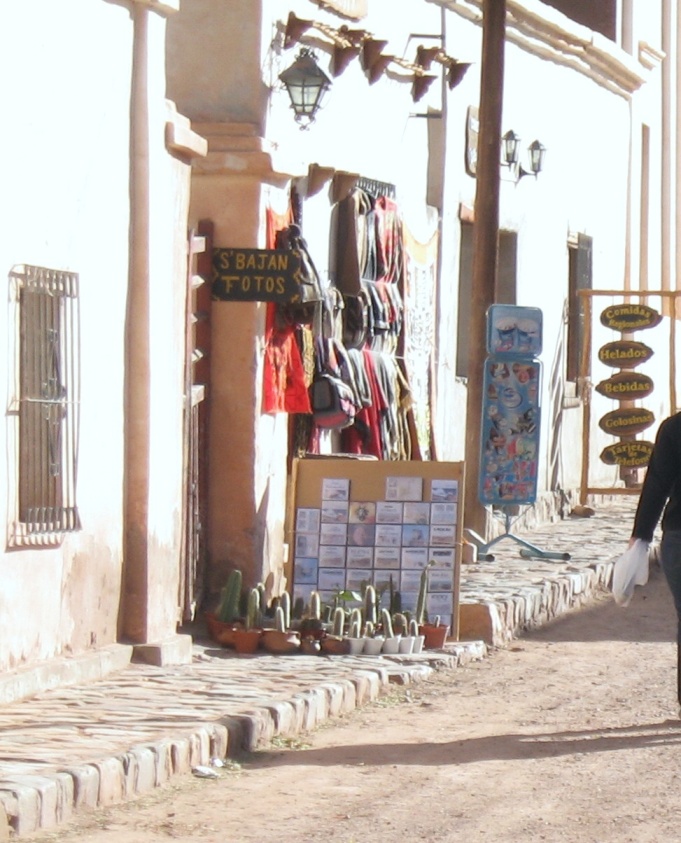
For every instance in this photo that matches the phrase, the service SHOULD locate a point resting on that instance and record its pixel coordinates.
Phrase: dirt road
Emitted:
(570, 734)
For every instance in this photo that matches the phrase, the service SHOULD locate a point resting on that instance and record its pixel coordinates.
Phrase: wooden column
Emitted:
(137, 380)
(485, 238)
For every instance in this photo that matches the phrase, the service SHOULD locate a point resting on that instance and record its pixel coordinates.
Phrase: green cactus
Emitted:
(355, 623)
(228, 610)
(327, 614)
(400, 623)
(368, 629)
(387, 623)
(315, 609)
(299, 608)
(423, 593)
(338, 621)
(413, 627)
(263, 597)
(253, 610)
(285, 603)
(370, 605)
(280, 619)
(396, 603)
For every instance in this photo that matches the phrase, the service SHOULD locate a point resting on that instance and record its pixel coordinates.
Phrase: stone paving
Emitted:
(99, 742)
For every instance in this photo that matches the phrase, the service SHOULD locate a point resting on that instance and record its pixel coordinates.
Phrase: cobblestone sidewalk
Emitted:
(96, 743)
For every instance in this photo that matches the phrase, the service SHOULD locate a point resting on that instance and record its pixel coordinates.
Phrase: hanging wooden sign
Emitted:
(630, 317)
(630, 454)
(626, 386)
(627, 421)
(624, 354)
(256, 275)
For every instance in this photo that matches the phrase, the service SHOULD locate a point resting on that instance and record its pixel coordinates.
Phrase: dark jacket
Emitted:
(662, 485)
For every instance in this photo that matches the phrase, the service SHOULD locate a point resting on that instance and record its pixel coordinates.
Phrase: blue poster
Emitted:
(515, 330)
(509, 444)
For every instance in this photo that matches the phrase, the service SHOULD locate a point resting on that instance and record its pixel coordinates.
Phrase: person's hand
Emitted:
(631, 542)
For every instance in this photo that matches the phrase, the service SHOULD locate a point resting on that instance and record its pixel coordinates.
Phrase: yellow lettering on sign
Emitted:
(229, 281)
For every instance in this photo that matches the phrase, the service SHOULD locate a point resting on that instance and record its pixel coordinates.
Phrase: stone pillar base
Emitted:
(174, 650)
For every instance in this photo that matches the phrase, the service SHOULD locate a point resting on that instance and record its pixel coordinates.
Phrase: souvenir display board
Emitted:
(509, 447)
(355, 521)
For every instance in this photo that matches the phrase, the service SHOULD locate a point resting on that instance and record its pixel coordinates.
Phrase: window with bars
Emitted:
(47, 400)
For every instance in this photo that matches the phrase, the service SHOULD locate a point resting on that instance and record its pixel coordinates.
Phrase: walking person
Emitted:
(661, 497)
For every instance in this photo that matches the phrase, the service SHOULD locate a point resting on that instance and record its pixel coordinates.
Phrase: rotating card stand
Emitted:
(510, 423)
(527, 550)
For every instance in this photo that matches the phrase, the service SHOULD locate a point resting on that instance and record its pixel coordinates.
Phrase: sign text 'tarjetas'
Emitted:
(256, 275)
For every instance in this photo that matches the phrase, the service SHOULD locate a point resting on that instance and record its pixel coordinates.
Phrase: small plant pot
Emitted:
(222, 633)
(435, 635)
(280, 643)
(356, 646)
(332, 645)
(310, 646)
(391, 646)
(246, 641)
(406, 644)
(419, 641)
(373, 646)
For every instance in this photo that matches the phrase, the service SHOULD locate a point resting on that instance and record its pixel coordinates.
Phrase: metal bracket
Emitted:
(527, 550)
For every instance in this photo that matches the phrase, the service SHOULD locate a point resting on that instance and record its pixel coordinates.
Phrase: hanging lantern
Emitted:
(306, 84)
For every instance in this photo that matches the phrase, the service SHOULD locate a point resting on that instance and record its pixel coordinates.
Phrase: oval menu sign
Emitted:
(626, 386)
(630, 317)
(624, 354)
(631, 454)
(626, 421)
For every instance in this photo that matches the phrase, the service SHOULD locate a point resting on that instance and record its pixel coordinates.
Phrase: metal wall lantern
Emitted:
(306, 84)
(511, 156)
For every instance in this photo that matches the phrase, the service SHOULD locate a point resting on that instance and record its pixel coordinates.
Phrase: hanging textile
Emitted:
(355, 237)
(419, 334)
(284, 376)
(389, 241)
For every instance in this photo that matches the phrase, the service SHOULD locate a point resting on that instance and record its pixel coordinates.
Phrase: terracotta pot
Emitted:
(435, 636)
(310, 646)
(280, 643)
(332, 645)
(221, 632)
(247, 640)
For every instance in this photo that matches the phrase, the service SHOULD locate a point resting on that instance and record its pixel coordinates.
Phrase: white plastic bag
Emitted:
(631, 569)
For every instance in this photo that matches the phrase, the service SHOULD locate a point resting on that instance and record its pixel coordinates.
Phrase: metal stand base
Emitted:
(527, 550)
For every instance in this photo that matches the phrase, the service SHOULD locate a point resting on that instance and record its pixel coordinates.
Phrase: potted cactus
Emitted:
(391, 642)
(334, 643)
(226, 618)
(246, 640)
(401, 627)
(373, 643)
(414, 633)
(281, 640)
(311, 626)
(355, 637)
(435, 633)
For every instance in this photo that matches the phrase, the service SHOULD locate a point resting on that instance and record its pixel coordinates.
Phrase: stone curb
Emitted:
(517, 608)
(29, 803)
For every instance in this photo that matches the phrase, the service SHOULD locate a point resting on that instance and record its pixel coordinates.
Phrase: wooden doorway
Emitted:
(197, 379)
